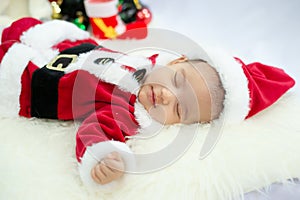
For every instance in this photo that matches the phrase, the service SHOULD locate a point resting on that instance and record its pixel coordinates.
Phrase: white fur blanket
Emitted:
(38, 162)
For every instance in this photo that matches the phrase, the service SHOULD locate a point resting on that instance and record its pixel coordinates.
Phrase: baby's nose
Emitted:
(167, 96)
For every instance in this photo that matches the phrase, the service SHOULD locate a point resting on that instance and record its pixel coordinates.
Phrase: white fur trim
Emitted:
(235, 83)
(111, 72)
(101, 9)
(136, 62)
(12, 66)
(141, 115)
(148, 127)
(95, 153)
(44, 36)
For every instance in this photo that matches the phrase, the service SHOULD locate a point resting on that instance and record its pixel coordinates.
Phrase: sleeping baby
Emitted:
(65, 75)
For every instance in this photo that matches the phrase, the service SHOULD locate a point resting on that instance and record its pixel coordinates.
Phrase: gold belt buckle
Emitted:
(61, 62)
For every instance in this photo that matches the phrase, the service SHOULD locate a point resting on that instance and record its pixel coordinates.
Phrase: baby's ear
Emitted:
(181, 59)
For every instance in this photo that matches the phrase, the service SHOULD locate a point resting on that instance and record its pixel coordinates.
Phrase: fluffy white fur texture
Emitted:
(235, 83)
(54, 31)
(38, 160)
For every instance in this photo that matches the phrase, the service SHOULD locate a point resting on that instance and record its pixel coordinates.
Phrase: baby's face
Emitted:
(176, 93)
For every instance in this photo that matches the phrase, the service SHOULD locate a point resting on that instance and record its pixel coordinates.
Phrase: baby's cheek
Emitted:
(159, 114)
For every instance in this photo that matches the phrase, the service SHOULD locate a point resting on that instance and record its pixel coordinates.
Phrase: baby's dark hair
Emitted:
(214, 85)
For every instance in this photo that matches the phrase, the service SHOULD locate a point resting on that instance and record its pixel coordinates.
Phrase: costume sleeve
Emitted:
(103, 132)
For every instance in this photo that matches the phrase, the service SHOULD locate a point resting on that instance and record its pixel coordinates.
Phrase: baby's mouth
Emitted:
(153, 97)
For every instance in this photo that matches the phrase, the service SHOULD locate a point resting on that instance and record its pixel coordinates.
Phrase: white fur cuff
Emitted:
(95, 153)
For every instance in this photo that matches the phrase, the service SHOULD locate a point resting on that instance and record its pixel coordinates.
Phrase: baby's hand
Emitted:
(110, 168)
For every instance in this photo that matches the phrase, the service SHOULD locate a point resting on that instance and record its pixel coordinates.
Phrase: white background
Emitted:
(267, 31)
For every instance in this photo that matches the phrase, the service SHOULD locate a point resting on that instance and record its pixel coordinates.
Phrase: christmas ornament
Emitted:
(133, 10)
(70, 10)
(120, 19)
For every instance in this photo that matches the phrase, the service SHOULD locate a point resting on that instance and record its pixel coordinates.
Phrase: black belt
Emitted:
(44, 82)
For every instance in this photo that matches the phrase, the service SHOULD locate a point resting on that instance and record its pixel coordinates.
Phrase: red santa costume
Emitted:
(67, 76)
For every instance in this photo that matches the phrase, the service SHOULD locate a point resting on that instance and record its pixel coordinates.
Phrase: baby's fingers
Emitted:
(97, 175)
(107, 171)
(115, 165)
(103, 174)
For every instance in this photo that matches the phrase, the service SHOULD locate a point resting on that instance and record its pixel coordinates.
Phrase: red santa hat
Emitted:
(249, 88)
